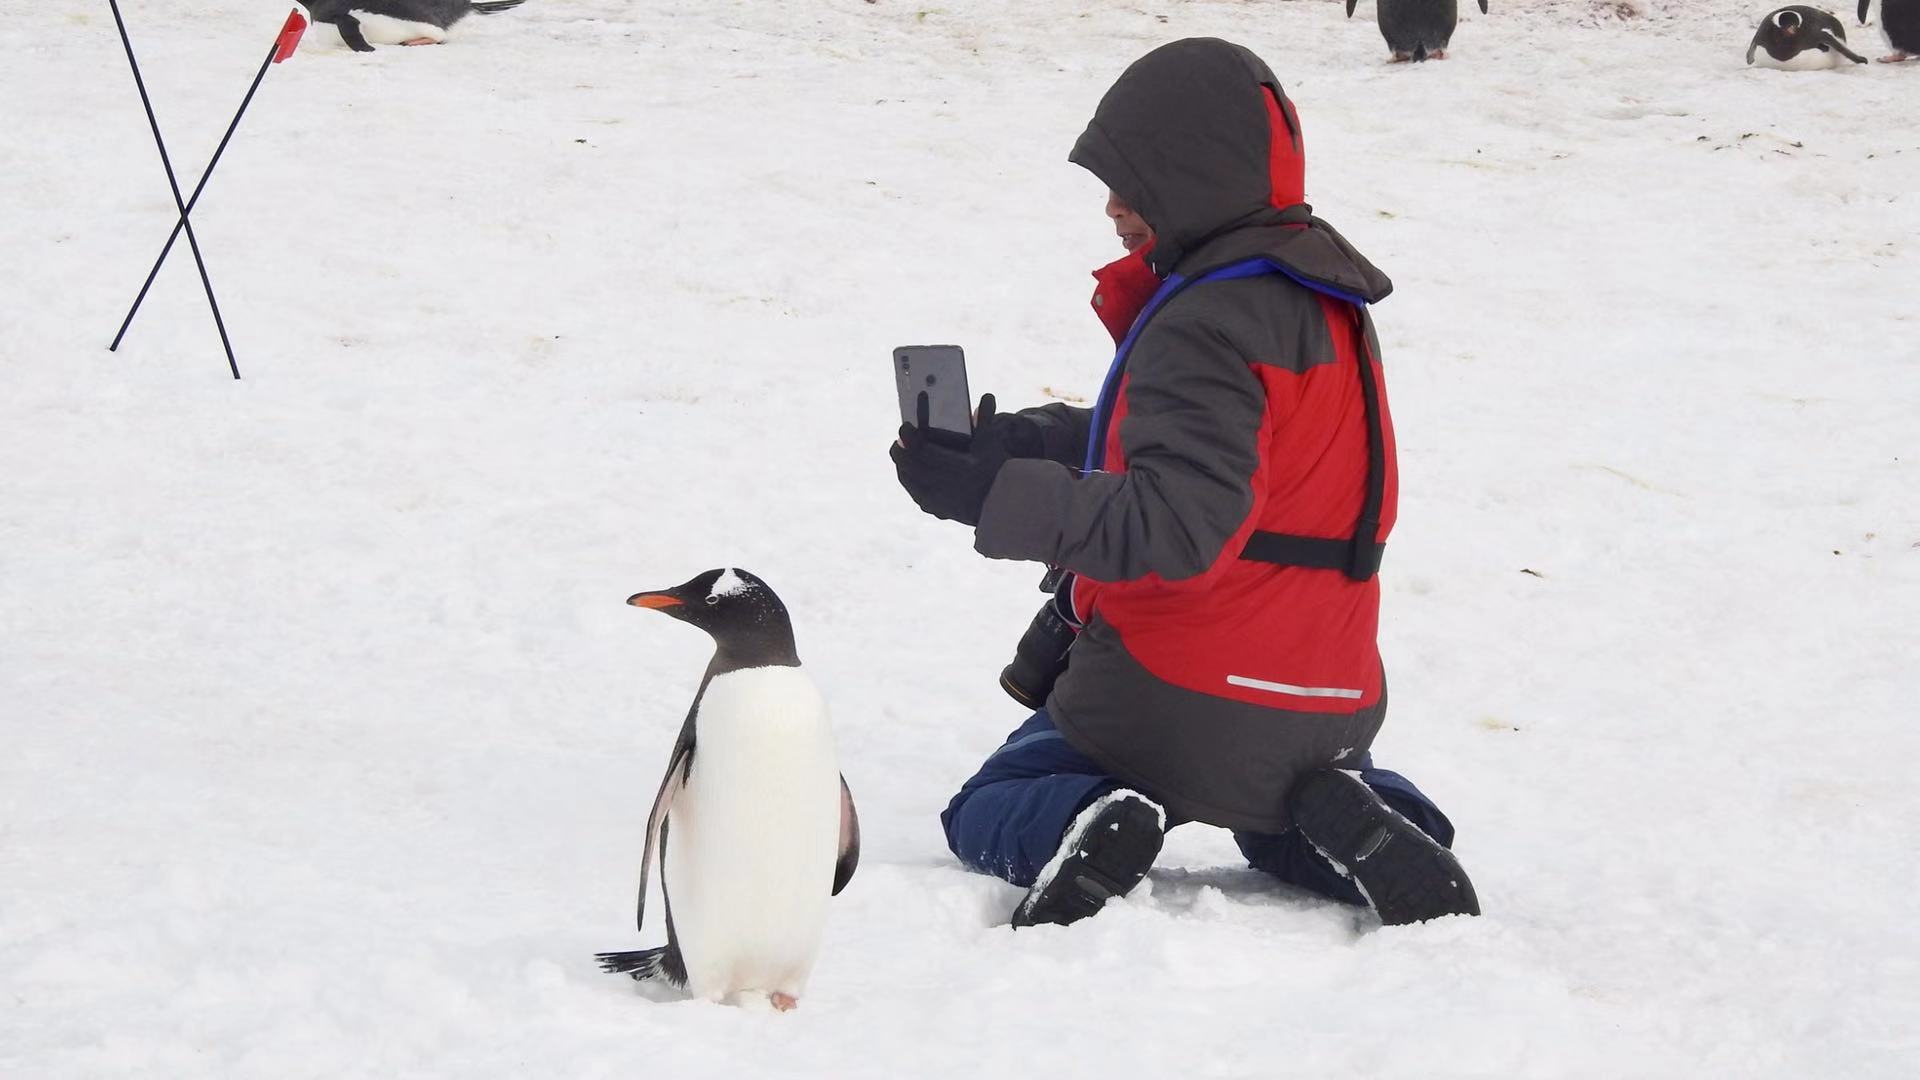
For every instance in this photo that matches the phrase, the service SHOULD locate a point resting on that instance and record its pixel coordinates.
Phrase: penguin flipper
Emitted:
(1483, 7)
(350, 33)
(849, 859)
(1863, 11)
(1834, 43)
(1755, 47)
(1351, 4)
(495, 7)
(670, 785)
(663, 962)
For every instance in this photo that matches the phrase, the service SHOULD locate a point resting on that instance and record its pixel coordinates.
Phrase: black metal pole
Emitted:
(194, 200)
(180, 204)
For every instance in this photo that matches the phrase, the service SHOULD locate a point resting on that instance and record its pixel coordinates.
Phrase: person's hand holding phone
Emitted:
(949, 475)
(1020, 435)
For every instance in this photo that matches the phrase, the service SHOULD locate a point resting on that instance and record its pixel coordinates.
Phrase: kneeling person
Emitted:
(1219, 513)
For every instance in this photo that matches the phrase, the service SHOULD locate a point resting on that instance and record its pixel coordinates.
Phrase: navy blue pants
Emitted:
(1008, 819)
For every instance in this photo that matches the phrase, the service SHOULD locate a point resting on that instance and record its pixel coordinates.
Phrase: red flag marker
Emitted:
(289, 35)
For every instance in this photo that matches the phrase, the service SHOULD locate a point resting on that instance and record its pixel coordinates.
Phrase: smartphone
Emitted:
(940, 372)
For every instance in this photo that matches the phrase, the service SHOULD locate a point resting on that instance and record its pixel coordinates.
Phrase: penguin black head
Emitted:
(747, 621)
(1788, 20)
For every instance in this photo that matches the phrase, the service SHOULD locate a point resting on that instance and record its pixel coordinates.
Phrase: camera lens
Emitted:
(1039, 658)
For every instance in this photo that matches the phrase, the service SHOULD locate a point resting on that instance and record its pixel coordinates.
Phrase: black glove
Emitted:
(1019, 435)
(950, 481)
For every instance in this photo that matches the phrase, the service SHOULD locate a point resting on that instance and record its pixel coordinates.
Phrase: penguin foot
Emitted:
(1437, 54)
(421, 41)
(1400, 58)
(1898, 58)
(783, 1002)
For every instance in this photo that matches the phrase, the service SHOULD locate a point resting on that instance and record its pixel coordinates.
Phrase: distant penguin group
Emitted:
(1800, 38)
(1795, 37)
(398, 22)
(753, 824)
(1417, 29)
(1900, 24)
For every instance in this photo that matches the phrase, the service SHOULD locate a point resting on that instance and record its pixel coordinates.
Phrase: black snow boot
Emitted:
(1405, 874)
(1105, 852)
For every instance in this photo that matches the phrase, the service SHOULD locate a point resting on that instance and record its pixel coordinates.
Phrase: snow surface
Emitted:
(328, 740)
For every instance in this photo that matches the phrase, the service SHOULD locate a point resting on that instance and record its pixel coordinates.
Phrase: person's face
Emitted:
(1133, 231)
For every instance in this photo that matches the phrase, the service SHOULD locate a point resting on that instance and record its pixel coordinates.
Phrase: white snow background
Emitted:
(326, 738)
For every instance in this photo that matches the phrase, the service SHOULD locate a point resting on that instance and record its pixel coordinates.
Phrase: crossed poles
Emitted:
(283, 46)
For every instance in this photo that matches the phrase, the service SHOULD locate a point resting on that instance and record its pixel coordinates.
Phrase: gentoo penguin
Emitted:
(1417, 29)
(754, 823)
(398, 22)
(1801, 38)
(1900, 22)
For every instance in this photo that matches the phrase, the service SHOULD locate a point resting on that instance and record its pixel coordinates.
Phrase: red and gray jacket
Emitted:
(1224, 502)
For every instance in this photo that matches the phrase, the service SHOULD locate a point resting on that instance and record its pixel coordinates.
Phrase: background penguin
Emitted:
(762, 826)
(1417, 29)
(1900, 22)
(398, 22)
(1801, 38)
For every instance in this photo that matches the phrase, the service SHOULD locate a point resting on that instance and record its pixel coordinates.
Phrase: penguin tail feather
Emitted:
(495, 7)
(642, 964)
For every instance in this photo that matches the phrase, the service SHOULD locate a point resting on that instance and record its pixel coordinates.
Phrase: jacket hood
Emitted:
(1198, 137)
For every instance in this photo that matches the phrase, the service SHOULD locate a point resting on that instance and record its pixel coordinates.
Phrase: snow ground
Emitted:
(328, 738)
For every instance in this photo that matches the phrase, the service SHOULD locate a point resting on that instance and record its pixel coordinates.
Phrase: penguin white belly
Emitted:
(1806, 60)
(387, 30)
(753, 837)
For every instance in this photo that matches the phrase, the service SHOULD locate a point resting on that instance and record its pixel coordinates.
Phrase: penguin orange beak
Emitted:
(654, 600)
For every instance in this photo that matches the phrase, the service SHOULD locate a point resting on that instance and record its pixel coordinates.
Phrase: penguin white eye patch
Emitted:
(726, 584)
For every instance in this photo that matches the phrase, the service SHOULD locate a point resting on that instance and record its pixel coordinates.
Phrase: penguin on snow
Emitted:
(1900, 23)
(1417, 29)
(398, 22)
(1801, 38)
(754, 824)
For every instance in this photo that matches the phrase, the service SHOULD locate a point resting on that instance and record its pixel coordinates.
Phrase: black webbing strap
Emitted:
(1312, 552)
(1358, 556)
(1366, 531)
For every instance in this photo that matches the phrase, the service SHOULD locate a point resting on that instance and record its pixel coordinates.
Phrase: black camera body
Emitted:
(1042, 653)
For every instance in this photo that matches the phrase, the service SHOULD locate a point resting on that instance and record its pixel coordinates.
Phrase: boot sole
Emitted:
(1111, 856)
(1405, 874)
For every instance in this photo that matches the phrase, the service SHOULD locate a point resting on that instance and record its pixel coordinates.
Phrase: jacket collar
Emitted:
(1314, 251)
